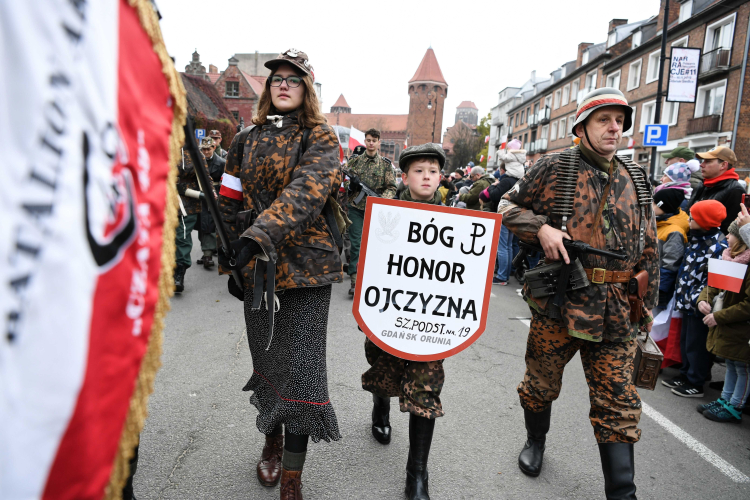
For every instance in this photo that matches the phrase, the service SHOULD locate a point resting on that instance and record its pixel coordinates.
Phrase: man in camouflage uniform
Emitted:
(610, 208)
(375, 172)
(189, 213)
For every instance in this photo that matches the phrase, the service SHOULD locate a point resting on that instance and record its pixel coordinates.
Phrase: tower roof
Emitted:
(429, 69)
(467, 104)
(341, 102)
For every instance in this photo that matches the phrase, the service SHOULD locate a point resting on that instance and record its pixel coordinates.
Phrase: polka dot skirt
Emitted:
(289, 381)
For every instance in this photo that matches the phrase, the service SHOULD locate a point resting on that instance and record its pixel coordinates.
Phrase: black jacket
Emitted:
(216, 166)
(729, 192)
(497, 191)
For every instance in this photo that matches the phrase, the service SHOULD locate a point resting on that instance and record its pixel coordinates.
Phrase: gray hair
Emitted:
(477, 170)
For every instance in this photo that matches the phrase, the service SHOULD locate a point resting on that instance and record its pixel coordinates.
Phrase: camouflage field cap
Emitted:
(429, 149)
(207, 142)
(294, 57)
(600, 98)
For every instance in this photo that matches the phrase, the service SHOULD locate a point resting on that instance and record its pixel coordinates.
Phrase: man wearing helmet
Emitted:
(586, 193)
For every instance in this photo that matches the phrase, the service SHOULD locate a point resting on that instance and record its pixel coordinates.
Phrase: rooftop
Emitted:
(341, 102)
(429, 69)
(467, 104)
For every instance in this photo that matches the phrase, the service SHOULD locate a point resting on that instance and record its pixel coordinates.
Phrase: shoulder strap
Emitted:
(243, 134)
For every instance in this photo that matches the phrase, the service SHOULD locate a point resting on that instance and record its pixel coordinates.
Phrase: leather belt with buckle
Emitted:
(599, 276)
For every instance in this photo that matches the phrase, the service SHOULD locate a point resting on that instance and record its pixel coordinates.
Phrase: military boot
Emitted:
(537, 427)
(291, 484)
(269, 466)
(179, 278)
(381, 421)
(618, 466)
(208, 262)
(354, 284)
(420, 439)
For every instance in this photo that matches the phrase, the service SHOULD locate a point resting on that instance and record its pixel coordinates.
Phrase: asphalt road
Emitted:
(200, 440)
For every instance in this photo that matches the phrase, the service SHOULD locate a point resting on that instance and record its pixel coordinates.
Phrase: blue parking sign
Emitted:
(656, 135)
(200, 133)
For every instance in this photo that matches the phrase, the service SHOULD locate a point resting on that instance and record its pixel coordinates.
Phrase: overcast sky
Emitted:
(369, 51)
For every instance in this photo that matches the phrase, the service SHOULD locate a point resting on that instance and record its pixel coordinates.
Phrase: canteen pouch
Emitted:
(542, 280)
(648, 359)
(637, 287)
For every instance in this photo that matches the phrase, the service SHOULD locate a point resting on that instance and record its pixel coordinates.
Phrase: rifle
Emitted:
(209, 195)
(553, 280)
(365, 189)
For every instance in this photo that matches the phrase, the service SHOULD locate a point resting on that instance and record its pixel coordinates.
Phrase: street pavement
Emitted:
(200, 440)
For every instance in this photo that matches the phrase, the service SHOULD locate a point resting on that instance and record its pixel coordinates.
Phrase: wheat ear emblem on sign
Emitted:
(387, 231)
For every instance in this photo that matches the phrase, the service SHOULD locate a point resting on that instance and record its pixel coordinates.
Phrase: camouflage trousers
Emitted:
(608, 366)
(417, 384)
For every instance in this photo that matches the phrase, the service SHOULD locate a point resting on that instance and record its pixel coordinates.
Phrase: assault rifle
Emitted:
(561, 277)
(365, 189)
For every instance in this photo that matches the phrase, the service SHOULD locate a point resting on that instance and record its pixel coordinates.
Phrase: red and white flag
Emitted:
(726, 275)
(341, 149)
(88, 117)
(486, 139)
(504, 142)
(481, 159)
(631, 143)
(356, 138)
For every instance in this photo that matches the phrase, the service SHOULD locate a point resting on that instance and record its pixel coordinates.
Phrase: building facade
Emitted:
(468, 113)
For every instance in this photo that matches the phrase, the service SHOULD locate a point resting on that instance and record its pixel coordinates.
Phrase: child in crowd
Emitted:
(672, 226)
(677, 176)
(729, 335)
(704, 242)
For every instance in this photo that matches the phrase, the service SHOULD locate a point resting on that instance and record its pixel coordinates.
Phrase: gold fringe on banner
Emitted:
(144, 385)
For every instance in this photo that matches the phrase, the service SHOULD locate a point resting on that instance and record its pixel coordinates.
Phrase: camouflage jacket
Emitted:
(289, 198)
(377, 173)
(596, 312)
(186, 179)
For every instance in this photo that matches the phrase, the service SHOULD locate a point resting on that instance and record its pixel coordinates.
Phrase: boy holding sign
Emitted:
(416, 384)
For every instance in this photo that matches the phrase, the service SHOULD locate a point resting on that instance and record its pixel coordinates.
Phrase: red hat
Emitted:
(708, 213)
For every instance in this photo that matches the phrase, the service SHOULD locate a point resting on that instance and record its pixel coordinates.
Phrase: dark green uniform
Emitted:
(377, 173)
(417, 384)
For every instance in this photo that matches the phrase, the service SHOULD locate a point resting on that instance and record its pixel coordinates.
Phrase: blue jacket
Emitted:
(693, 277)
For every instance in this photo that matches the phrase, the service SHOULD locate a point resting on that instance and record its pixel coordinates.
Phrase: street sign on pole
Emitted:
(200, 133)
(656, 135)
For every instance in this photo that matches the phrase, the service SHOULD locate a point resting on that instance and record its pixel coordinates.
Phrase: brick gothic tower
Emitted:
(427, 92)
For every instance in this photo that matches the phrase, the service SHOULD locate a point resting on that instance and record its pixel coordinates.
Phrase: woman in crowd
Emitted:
(279, 176)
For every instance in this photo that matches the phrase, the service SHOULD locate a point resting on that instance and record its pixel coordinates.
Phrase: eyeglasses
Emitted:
(292, 81)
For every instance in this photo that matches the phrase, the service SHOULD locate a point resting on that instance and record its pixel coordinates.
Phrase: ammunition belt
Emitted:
(599, 276)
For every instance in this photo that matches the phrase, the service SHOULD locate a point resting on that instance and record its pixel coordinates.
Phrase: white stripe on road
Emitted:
(707, 455)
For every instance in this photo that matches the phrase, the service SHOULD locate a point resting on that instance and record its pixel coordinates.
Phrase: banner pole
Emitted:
(659, 86)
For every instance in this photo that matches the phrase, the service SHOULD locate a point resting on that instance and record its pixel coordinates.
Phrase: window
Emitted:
(232, 89)
(545, 132)
(553, 132)
(574, 89)
(653, 66)
(571, 121)
(636, 39)
(516, 119)
(647, 118)
(561, 129)
(710, 99)
(565, 95)
(590, 81)
(634, 74)
(669, 113)
(720, 34)
(523, 114)
(642, 157)
(682, 42)
(632, 127)
(686, 10)
(585, 57)
(548, 101)
(613, 80)
(557, 99)
(528, 114)
(236, 115)
(612, 39)
(536, 108)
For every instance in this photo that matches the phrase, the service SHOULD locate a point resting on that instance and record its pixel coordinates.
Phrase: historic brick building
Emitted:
(427, 92)
(468, 113)
(241, 91)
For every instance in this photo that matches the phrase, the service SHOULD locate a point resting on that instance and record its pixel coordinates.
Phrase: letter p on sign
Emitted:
(656, 135)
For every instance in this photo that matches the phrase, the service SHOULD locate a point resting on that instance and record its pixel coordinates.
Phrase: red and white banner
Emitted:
(86, 118)
(356, 138)
(726, 275)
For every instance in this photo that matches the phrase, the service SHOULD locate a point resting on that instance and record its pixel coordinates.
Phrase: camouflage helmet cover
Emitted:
(600, 98)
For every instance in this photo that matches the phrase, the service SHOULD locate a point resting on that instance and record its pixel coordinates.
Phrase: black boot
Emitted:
(420, 439)
(127, 490)
(381, 422)
(179, 278)
(537, 427)
(618, 466)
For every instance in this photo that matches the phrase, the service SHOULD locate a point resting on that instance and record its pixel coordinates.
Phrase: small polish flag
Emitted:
(341, 149)
(356, 138)
(481, 159)
(486, 139)
(631, 143)
(726, 275)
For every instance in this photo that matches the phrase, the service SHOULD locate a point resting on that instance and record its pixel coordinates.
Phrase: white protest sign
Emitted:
(424, 277)
(683, 74)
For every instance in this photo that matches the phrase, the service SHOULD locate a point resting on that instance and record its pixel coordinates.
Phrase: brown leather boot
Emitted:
(269, 466)
(291, 484)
